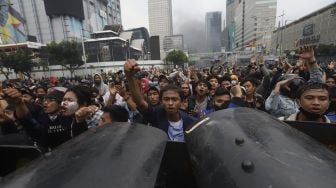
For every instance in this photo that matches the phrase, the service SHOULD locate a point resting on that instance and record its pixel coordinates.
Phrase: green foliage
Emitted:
(20, 60)
(66, 53)
(177, 57)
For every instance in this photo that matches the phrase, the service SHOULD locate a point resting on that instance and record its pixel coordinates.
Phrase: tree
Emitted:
(21, 61)
(66, 54)
(5, 65)
(177, 57)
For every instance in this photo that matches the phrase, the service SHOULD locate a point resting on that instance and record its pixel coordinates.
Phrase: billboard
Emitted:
(65, 7)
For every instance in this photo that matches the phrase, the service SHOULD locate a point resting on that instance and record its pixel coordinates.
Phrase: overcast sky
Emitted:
(135, 12)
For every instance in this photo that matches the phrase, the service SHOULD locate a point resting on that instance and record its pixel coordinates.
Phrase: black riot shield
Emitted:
(16, 150)
(175, 169)
(119, 155)
(247, 148)
(323, 132)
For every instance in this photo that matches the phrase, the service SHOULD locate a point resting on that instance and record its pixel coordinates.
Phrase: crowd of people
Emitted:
(49, 112)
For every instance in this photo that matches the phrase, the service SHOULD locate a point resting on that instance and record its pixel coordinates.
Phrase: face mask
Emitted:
(155, 83)
(71, 108)
(310, 115)
(97, 82)
(225, 105)
(234, 82)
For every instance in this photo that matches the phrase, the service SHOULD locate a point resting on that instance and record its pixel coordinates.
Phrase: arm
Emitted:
(15, 96)
(316, 73)
(131, 68)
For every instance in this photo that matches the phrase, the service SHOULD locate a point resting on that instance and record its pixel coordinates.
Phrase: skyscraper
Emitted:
(254, 23)
(230, 29)
(50, 20)
(160, 19)
(213, 28)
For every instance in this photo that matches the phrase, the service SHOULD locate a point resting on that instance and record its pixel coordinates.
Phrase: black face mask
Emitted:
(97, 82)
(225, 105)
(310, 115)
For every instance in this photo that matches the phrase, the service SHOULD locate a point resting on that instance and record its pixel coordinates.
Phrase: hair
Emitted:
(171, 87)
(312, 85)
(206, 82)
(225, 78)
(83, 94)
(222, 91)
(153, 88)
(117, 113)
(213, 77)
(253, 81)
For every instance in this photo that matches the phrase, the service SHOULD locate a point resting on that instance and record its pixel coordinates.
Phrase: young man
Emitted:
(200, 105)
(313, 99)
(153, 96)
(166, 117)
(113, 113)
(253, 99)
(214, 81)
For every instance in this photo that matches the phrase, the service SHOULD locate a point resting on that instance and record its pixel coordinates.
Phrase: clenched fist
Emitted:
(131, 67)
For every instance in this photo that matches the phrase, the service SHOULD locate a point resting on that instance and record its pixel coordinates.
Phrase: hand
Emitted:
(85, 112)
(13, 94)
(112, 89)
(282, 83)
(236, 91)
(121, 91)
(131, 67)
(261, 60)
(307, 53)
(253, 60)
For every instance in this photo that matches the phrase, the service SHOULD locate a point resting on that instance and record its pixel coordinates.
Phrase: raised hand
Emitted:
(307, 53)
(261, 60)
(131, 67)
(253, 60)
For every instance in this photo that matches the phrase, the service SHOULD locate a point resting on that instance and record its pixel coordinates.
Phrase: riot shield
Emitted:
(323, 132)
(118, 155)
(243, 147)
(16, 150)
(175, 169)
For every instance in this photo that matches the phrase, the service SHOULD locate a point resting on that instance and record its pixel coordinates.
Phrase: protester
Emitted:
(113, 113)
(313, 99)
(167, 117)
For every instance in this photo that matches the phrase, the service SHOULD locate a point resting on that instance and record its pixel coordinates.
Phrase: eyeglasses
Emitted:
(49, 100)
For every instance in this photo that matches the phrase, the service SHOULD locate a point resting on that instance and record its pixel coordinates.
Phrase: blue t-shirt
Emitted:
(175, 131)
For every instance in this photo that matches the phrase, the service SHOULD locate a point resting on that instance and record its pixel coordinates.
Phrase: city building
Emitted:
(160, 19)
(230, 27)
(50, 20)
(254, 24)
(174, 42)
(213, 31)
(109, 45)
(11, 24)
(155, 47)
(316, 28)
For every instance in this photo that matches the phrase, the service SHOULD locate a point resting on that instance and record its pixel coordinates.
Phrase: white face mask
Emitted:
(70, 108)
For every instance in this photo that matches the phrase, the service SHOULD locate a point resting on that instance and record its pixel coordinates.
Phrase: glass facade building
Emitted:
(50, 20)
